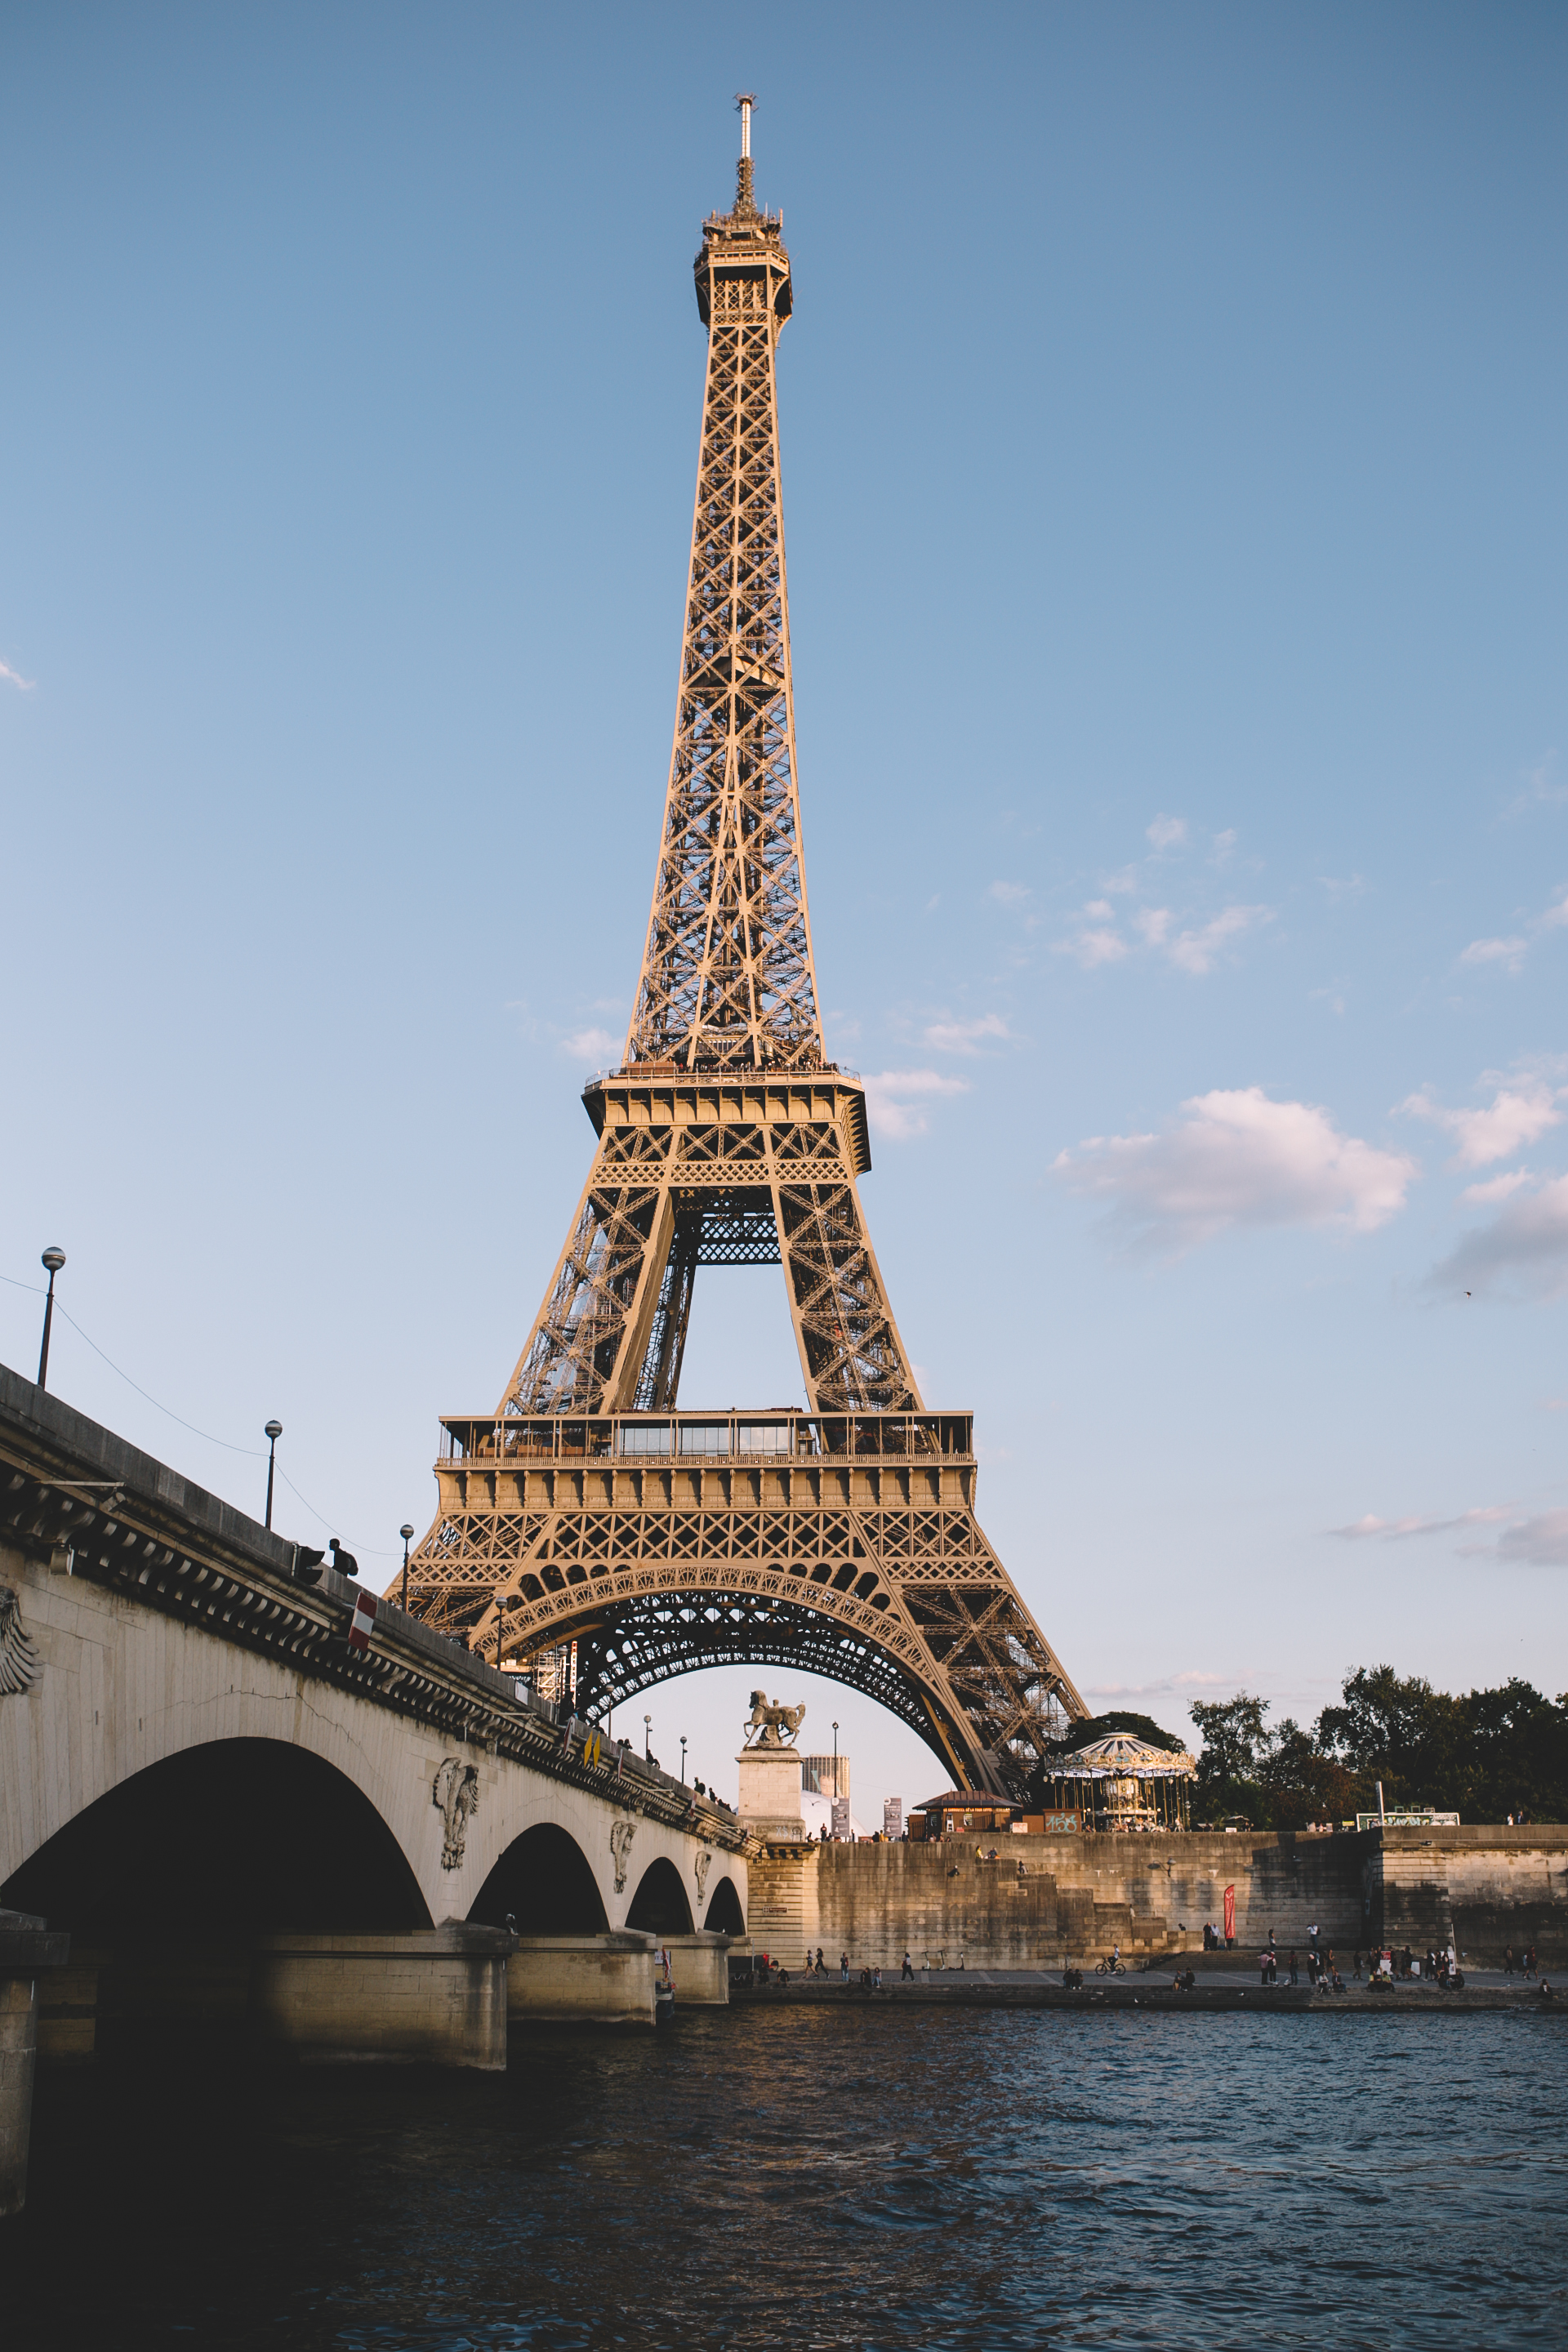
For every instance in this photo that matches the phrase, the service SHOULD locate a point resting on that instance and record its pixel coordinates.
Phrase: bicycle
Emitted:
(1110, 1967)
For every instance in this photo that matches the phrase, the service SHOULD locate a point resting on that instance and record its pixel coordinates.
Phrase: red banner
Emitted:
(1230, 1914)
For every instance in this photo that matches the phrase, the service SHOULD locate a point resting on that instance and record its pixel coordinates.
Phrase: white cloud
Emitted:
(1555, 916)
(1120, 885)
(1196, 950)
(1153, 922)
(1238, 1158)
(1348, 886)
(1391, 1529)
(595, 1046)
(1496, 1188)
(1168, 832)
(1009, 893)
(14, 678)
(965, 1036)
(894, 1100)
(1523, 1251)
(1540, 1542)
(1520, 1112)
(1224, 846)
(1509, 954)
(1094, 945)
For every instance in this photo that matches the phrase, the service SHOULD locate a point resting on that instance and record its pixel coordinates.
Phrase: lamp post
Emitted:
(407, 1532)
(683, 1760)
(272, 1432)
(54, 1257)
(502, 1605)
(832, 1820)
(647, 1739)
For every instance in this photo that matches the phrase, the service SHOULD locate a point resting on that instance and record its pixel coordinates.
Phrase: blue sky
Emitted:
(1172, 442)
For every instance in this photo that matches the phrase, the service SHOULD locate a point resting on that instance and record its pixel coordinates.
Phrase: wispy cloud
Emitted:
(896, 1100)
(1520, 1111)
(1392, 1531)
(1167, 832)
(591, 1045)
(1539, 1542)
(14, 678)
(1509, 954)
(1195, 1678)
(1495, 1189)
(1199, 951)
(1237, 1157)
(1522, 1253)
(1345, 885)
(966, 1036)
(1224, 848)
(1009, 893)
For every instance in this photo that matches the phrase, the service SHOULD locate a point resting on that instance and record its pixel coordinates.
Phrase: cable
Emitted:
(254, 1452)
(251, 1452)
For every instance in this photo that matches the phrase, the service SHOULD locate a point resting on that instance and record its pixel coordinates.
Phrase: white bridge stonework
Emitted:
(257, 1800)
(124, 1686)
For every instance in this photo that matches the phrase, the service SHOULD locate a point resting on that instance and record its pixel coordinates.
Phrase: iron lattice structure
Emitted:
(586, 1509)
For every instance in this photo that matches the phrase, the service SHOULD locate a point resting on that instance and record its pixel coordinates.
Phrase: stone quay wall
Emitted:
(946, 1901)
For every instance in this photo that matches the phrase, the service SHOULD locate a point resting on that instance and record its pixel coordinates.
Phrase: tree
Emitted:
(1233, 1733)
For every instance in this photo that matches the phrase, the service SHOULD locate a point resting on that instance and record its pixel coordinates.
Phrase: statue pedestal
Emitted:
(770, 1793)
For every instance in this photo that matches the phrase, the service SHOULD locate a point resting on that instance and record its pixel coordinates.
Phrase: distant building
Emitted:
(816, 1776)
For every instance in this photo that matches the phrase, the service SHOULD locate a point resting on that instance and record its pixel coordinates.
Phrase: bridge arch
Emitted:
(230, 1836)
(546, 1883)
(725, 1916)
(659, 1906)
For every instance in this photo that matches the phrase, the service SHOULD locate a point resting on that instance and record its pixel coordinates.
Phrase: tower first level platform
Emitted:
(842, 1544)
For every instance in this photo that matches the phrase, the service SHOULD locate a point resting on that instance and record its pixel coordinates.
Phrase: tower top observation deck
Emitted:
(744, 244)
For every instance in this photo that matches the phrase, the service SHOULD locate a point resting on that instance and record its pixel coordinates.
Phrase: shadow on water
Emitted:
(820, 2178)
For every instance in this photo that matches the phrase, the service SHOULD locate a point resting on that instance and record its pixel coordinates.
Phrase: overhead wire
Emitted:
(252, 1452)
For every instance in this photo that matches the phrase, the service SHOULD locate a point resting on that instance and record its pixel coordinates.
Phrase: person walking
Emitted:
(907, 1973)
(1530, 1961)
(1508, 1960)
(843, 1968)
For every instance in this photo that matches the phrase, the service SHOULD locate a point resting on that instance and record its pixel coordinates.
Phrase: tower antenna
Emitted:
(746, 100)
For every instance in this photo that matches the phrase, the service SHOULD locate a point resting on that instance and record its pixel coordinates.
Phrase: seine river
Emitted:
(824, 2177)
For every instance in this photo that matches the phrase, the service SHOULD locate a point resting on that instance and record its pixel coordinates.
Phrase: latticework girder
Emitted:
(726, 1138)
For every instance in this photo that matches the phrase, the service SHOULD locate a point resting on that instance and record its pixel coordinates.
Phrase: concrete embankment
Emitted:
(1043, 1901)
(996, 1989)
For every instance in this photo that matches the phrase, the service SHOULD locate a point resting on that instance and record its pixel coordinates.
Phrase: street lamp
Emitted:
(54, 1257)
(272, 1432)
(647, 1739)
(683, 1760)
(834, 1825)
(502, 1605)
(407, 1532)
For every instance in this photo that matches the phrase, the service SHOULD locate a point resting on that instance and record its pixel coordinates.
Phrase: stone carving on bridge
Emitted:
(770, 1725)
(454, 1793)
(621, 1836)
(700, 1867)
(21, 1661)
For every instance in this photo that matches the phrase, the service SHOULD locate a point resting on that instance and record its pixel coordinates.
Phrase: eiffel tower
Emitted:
(587, 1518)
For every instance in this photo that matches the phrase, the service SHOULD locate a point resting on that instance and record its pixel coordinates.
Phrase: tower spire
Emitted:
(744, 201)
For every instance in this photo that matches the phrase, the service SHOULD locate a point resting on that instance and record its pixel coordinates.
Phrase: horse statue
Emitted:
(769, 1725)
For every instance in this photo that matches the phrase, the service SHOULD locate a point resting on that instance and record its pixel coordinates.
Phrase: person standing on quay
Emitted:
(843, 1968)
(1508, 1960)
(907, 1974)
(1295, 1970)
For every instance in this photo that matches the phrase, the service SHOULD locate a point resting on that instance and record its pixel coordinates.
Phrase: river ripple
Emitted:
(816, 2179)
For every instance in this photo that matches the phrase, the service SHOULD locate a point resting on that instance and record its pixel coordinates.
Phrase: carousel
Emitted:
(1123, 1784)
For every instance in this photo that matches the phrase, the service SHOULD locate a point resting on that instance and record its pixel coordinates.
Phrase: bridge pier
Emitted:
(583, 1980)
(436, 1996)
(700, 1965)
(25, 1949)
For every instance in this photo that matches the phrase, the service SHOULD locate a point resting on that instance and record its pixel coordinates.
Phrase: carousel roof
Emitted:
(1120, 1753)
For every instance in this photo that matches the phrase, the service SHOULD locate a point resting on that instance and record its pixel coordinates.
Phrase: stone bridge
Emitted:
(250, 1806)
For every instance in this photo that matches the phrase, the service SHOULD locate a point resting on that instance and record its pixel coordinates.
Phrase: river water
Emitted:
(816, 2178)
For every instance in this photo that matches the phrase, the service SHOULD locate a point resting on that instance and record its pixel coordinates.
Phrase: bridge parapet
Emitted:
(76, 1497)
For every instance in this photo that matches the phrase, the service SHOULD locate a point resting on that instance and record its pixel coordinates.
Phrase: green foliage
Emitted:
(1483, 1756)
(1140, 1727)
